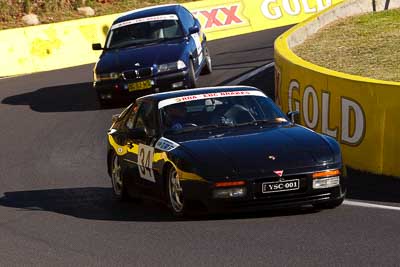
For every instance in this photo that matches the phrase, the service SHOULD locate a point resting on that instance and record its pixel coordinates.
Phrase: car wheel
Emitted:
(117, 180)
(175, 193)
(329, 205)
(192, 75)
(207, 69)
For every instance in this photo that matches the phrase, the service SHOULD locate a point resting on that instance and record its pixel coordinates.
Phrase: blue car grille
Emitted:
(137, 74)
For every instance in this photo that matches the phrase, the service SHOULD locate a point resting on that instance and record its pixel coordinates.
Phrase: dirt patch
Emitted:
(49, 11)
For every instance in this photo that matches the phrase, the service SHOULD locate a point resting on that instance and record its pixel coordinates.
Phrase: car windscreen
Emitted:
(144, 31)
(229, 111)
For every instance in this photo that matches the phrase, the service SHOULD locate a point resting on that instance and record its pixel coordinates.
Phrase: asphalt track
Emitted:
(56, 207)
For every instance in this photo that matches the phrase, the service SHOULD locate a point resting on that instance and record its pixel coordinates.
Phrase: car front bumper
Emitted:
(117, 90)
(255, 200)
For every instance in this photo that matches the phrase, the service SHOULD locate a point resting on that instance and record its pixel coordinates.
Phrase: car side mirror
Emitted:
(97, 46)
(194, 29)
(294, 116)
(136, 133)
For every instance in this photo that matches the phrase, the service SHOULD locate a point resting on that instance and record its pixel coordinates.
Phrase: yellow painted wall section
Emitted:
(67, 44)
(361, 113)
(51, 46)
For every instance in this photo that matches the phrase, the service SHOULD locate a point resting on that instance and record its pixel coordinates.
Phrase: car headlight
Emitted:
(171, 66)
(106, 76)
(326, 179)
(229, 189)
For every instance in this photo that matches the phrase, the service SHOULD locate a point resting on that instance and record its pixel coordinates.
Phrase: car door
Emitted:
(196, 39)
(198, 42)
(143, 157)
(118, 139)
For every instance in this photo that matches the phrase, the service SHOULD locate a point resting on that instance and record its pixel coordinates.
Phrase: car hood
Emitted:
(118, 60)
(258, 153)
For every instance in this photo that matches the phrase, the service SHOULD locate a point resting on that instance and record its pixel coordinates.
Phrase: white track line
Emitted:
(12, 76)
(369, 205)
(251, 74)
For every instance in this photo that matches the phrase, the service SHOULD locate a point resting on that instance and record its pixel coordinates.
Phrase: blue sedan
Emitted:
(150, 50)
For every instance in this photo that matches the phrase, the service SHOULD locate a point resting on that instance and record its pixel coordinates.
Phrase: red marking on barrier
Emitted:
(211, 18)
(230, 13)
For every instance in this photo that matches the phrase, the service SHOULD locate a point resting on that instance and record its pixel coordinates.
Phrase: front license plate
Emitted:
(288, 185)
(139, 85)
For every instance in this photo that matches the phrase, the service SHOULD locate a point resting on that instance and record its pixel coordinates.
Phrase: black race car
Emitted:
(150, 50)
(221, 148)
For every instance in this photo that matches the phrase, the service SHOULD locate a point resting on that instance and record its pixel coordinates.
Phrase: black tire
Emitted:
(207, 69)
(117, 180)
(329, 205)
(175, 199)
(192, 75)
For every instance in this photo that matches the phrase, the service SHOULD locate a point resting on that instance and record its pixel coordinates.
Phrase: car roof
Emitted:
(148, 12)
(187, 92)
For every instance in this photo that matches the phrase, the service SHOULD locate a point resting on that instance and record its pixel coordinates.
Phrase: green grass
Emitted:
(11, 11)
(366, 45)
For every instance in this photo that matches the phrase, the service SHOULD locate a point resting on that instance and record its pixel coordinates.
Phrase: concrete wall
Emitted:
(67, 44)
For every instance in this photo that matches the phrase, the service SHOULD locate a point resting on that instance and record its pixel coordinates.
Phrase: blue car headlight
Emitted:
(106, 76)
(173, 66)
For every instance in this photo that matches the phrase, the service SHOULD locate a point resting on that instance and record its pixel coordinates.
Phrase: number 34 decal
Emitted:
(145, 162)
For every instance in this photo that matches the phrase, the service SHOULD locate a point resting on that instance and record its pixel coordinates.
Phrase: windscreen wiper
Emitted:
(123, 46)
(199, 127)
(258, 122)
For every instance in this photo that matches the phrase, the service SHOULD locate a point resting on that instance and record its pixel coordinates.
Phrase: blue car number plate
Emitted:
(281, 186)
(139, 85)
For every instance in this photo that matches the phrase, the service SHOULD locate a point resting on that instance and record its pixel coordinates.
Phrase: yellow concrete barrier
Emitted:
(361, 113)
(51, 46)
(67, 44)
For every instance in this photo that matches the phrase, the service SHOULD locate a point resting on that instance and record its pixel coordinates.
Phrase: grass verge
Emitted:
(366, 45)
(49, 11)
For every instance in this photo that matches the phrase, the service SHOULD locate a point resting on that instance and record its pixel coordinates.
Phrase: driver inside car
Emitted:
(175, 116)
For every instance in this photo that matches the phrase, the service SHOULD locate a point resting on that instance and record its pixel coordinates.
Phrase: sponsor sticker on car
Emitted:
(147, 19)
(165, 144)
(171, 101)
